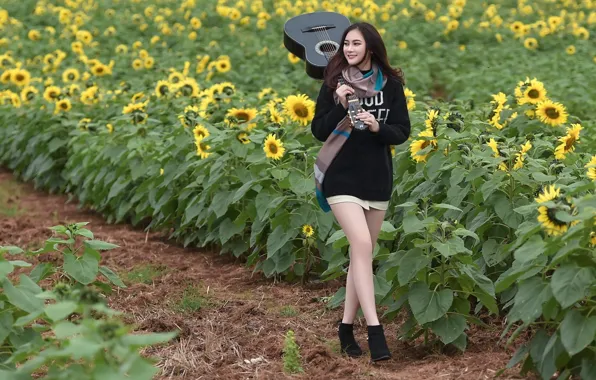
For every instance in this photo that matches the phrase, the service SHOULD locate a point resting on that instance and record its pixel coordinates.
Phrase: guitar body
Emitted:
(315, 37)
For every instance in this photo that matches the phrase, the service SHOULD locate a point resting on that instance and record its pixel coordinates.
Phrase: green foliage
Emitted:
(67, 330)
(291, 354)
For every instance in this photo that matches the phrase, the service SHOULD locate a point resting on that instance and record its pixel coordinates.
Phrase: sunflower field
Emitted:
(191, 117)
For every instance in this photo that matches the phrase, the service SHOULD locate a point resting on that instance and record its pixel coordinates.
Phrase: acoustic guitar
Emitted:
(315, 38)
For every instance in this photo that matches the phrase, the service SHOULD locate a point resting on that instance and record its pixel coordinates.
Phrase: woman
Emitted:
(354, 171)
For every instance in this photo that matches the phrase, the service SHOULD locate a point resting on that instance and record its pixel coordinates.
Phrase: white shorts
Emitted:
(367, 205)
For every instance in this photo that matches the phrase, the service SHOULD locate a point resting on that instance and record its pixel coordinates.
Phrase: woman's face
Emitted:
(354, 47)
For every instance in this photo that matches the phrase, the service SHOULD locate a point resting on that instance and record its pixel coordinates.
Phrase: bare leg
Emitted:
(352, 220)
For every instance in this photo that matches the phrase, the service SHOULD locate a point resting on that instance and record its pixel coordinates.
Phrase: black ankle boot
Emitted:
(347, 341)
(377, 343)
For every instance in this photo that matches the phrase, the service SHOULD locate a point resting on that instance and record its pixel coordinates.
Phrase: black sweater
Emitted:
(363, 168)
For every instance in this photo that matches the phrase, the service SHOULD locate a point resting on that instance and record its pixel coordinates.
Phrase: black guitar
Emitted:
(315, 37)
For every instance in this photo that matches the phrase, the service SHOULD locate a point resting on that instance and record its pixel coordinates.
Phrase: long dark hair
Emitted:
(374, 43)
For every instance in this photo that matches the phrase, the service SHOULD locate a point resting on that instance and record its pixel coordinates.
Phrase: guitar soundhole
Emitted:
(327, 47)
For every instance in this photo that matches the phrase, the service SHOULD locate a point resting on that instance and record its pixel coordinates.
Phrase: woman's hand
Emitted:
(368, 119)
(342, 92)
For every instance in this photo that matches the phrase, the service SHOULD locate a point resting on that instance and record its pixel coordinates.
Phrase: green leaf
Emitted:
(11, 250)
(279, 174)
(449, 327)
(6, 321)
(81, 347)
(528, 301)
(577, 331)
(60, 310)
(411, 263)
(23, 295)
(85, 233)
(479, 279)
(111, 276)
(140, 340)
(428, 305)
(570, 283)
(531, 249)
(412, 224)
(65, 329)
(407, 204)
(540, 177)
(446, 206)
(83, 269)
(464, 232)
(301, 185)
(241, 192)
(525, 210)
(489, 187)
(588, 371)
(452, 247)
(99, 245)
(276, 240)
(5, 268)
(227, 229)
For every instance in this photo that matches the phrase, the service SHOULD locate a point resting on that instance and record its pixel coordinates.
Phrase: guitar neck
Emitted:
(341, 80)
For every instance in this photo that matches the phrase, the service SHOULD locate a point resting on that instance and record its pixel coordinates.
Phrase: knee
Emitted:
(360, 245)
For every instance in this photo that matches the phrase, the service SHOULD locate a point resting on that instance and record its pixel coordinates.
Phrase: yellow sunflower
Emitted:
(137, 64)
(299, 108)
(162, 88)
(548, 194)
(591, 166)
(28, 94)
(243, 137)
(63, 105)
(568, 141)
(530, 92)
(240, 115)
(417, 145)
(51, 93)
(175, 77)
(223, 65)
(551, 113)
(520, 156)
(110, 128)
(307, 230)
(293, 59)
(273, 147)
(553, 226)
(188, 118)
(70, 75)
(531, 43)
(188, 87)
(202, 149)
(20, 77)
(200, 132)
(410, 98)
(266, 92)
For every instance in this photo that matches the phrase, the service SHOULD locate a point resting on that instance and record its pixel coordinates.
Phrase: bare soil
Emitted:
(237, 331)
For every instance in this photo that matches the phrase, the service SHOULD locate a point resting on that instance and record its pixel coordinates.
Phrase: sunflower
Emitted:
(28, 94)
(138, 96)
(273, 147)
(492, 143)
(12, 98)
(530, 92)
(51, 93)
(551, 113)
(137, 112)
(417, 145)
(240, 115)
(266, 93)
(223, 65)
(531, 43)
(70, 75)
(63, 105)
(293, 59)
(176, 77)
(137, 64)
(520, 156)
(20, 77)
(275, 116)
(202, 149)
(552, 225)
(570, 50)
(100, 70)
(188, 118)
(162, 88)
(243, 137)
(189, 87)
(34, 35)
(410, 98)
(568, 141)
(307, 230)
(548, 194)
(149, 62)
(200, 132)
(110, 128)
(121, 49)
(591, 166)
(299, 108)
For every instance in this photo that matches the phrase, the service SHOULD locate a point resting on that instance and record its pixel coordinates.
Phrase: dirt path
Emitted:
(226, 315)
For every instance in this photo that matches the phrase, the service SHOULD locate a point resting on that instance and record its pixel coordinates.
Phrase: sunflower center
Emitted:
(63, 105)
(534, 94)
(273, 148)
(300, 110)
(186, 90)
(552, 218)
(100, 69)
(163, 90)
(30, 95)
(552, 113)
(71, 76)
(20, 77)
(242, 116)
(569, 143)
(53, 94)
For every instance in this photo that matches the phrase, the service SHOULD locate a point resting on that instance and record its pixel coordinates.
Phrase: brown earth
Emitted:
(238, 330)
